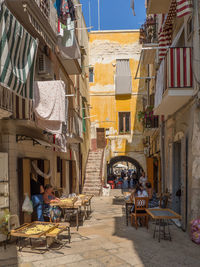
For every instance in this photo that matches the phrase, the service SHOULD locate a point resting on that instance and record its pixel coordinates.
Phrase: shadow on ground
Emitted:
(149, 252)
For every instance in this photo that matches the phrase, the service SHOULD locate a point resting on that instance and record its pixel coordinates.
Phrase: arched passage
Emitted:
(115, 160)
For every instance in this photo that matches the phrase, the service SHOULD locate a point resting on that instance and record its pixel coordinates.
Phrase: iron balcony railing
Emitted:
(75, 124)
(44, 6)
(178, 68)
(151, 121)
(148, 31)
(6, 100)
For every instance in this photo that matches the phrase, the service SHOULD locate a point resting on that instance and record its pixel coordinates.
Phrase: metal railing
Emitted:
(148, 31)
(6, 101)
(151, 122)
(44, 5)
(75, 123)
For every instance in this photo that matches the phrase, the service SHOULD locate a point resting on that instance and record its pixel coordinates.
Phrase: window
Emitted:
(91, 75)
(123, 79)
(124, 122)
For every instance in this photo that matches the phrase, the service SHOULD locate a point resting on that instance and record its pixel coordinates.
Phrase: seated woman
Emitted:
(52, 212)
(138, 192)
(153, 201)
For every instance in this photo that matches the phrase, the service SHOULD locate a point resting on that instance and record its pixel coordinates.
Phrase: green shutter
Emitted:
(84, 120)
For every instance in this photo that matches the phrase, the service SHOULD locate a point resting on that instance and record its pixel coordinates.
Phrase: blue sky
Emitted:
(115, 14)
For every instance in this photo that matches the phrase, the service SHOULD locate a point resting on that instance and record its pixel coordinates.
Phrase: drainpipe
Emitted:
(162, 150)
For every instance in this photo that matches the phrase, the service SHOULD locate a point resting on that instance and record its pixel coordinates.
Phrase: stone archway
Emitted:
(114, 160)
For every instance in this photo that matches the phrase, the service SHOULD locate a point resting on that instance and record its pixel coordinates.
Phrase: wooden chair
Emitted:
(141, 203)
(164, 197)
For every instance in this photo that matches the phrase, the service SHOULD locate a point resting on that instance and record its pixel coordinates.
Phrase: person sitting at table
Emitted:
(138, 192)
(51, 212)
(153, 200)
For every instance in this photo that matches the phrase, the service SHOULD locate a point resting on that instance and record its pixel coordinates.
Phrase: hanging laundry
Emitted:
(64, 14)
(133, 7)
(71, 10)
(57, 6)
(50, 111)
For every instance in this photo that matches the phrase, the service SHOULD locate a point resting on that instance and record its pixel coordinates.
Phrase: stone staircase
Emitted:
(93, 174)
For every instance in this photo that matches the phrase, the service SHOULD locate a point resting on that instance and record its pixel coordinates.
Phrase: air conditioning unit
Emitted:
(45, 67)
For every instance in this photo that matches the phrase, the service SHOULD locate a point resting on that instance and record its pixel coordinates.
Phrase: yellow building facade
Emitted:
(116, 113)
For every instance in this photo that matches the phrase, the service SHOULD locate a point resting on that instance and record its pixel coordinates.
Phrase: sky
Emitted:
(114, 14)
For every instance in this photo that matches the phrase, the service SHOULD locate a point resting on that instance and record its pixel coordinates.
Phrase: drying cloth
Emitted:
(50, 105)
(133, 7)
(71, 9)
(61, 142)
(18, 51)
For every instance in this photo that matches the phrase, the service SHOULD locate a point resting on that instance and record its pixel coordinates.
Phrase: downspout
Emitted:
(162, 150)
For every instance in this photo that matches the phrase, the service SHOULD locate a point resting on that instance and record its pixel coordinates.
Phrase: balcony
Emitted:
(74, 127)
(70, 54)
(158, 6)
(174, 81)
(151, 122)
(38, 17)
(6, 103)
(148, 31)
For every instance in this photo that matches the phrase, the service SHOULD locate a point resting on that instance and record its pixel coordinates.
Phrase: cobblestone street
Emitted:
(105, 240)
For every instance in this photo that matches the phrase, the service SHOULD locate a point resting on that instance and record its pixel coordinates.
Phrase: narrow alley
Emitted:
(106, 241)
(99, 133)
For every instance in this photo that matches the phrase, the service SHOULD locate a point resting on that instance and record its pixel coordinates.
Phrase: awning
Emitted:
(147, 56)
(17, 55)
(158, 6)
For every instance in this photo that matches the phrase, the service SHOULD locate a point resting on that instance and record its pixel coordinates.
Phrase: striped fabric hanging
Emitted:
(165, 35)
(184, 7)
(17, 55)
(179, 67)
(164, 40)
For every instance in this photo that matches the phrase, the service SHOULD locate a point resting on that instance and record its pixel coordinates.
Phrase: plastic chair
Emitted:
(112, 184)
(119, 185)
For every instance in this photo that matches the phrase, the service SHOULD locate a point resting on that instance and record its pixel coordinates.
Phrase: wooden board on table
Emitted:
(19, 232)
(163, 214)
(61, 228)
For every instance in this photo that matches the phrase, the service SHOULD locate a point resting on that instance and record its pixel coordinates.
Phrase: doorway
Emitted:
(176, 188)
(101, 138)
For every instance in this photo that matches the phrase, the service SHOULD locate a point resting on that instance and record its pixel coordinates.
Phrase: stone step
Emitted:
(96, 173)
(87, 184)
(92, 178)
(89, 191)
(93, 181)
(92, 161)
(92, 193)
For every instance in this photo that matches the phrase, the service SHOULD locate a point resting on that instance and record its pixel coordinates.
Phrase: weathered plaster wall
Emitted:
(105, 48)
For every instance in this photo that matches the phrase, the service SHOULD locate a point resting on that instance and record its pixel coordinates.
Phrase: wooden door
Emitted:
(24, 171)
(184, 182)
(150, 172)
(101, 138)
(70, 177)
(74, 176)
(46, 170)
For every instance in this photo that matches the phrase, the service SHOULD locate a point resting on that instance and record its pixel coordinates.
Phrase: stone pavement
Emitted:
(104, 240)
